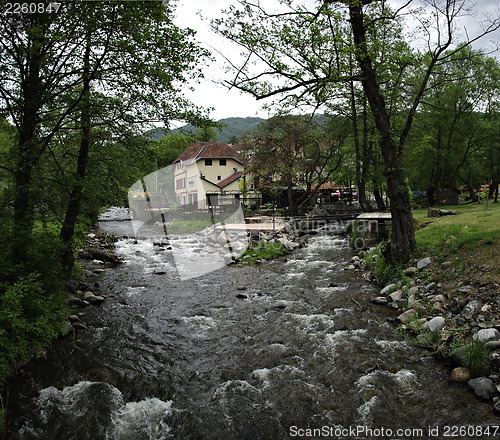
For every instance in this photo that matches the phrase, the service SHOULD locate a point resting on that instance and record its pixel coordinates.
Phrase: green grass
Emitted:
(475, 357)
(263, 251)
(473, 234)
(188, 226)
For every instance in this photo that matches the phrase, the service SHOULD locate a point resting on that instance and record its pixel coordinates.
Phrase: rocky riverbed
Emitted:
(458, 322)
(442, 318)
(94, 258)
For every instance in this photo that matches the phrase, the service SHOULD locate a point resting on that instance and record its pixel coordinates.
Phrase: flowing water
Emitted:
(287, 349)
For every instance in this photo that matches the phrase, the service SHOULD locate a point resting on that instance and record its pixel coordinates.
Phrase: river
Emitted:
(291, 348)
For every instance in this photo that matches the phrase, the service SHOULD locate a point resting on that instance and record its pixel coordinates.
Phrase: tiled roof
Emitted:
(229, 179)
(209, 150)
(329, 185)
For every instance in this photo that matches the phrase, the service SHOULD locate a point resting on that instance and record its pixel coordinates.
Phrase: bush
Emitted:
(264, 251)
(475, 356)
(384, 270)
(29, 320)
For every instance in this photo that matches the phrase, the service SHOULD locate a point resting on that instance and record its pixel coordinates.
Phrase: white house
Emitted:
(208, 174)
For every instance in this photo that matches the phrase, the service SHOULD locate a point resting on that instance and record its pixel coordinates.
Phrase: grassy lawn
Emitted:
(471, 239)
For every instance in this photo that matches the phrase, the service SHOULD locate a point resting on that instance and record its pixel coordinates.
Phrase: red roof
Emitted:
(230, 179)
(328, 185)
(209, 150)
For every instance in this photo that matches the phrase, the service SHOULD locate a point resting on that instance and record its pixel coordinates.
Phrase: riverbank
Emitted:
(446, 299)
(96, 255)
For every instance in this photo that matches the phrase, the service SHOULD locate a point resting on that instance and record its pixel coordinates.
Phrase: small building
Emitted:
(447, 196)
(207, 175)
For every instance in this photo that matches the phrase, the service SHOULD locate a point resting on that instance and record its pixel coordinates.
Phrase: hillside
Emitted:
(232, 127)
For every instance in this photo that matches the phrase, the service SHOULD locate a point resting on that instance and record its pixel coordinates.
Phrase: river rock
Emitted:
(470, 309)
(465, 289)
(423, 263)
(93, 299)
(435, 324)
(446, 264)
(410, 271)
(487, 334)
(396, 295)
(460, 375)
(67, 328)
(430, 286)
(102, 255)
(79, 325)
(289, 245)
(438, 299)
(483, 387)
(380, 300)
(387, 290)
(407, 316)
(496, 407)
(75, 301)
(224, 238)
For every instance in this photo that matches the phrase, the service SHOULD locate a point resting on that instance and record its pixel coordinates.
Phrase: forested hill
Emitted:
(232, 127)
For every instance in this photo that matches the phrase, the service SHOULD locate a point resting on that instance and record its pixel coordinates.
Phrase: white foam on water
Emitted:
(342, 337)
(405, 380)
(81, 404)
(391, 345)
(320, 263)
(332, 289)
(292, 275)
(199, 325)
(364, 411)
(144, 419)
(232, 386)
(312, 322)
(144, 255)
(132, 291)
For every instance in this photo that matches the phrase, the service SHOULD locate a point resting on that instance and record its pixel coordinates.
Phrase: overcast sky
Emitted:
(231, 103)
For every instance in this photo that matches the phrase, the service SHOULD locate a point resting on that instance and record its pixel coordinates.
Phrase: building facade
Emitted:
(207, 175)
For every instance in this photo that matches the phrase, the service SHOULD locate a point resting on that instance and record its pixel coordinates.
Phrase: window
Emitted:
(222, 162)
(181, 183)
(208, 162)
(219, 177)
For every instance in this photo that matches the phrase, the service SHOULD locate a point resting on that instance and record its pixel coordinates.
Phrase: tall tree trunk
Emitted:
(27, 150)
(76, 195)
(361, 160)
(403, 232)
(291, 202)
(379, 200)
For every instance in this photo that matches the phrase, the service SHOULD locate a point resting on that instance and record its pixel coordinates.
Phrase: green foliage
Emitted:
(264, 251)
(467, 231)
(384, 271)
(30, 318)
(230, 129)
(205, 134)
(475, 357)
(179, 226)
(170, 147)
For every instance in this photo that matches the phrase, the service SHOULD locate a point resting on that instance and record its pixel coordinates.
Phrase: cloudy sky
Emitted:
(231, 103)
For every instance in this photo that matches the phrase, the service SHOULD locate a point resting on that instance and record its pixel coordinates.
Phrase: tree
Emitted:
(290, 151)
(129, 55)
(449, 127)
(169, 147)
(205, 133)
(310, 52)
